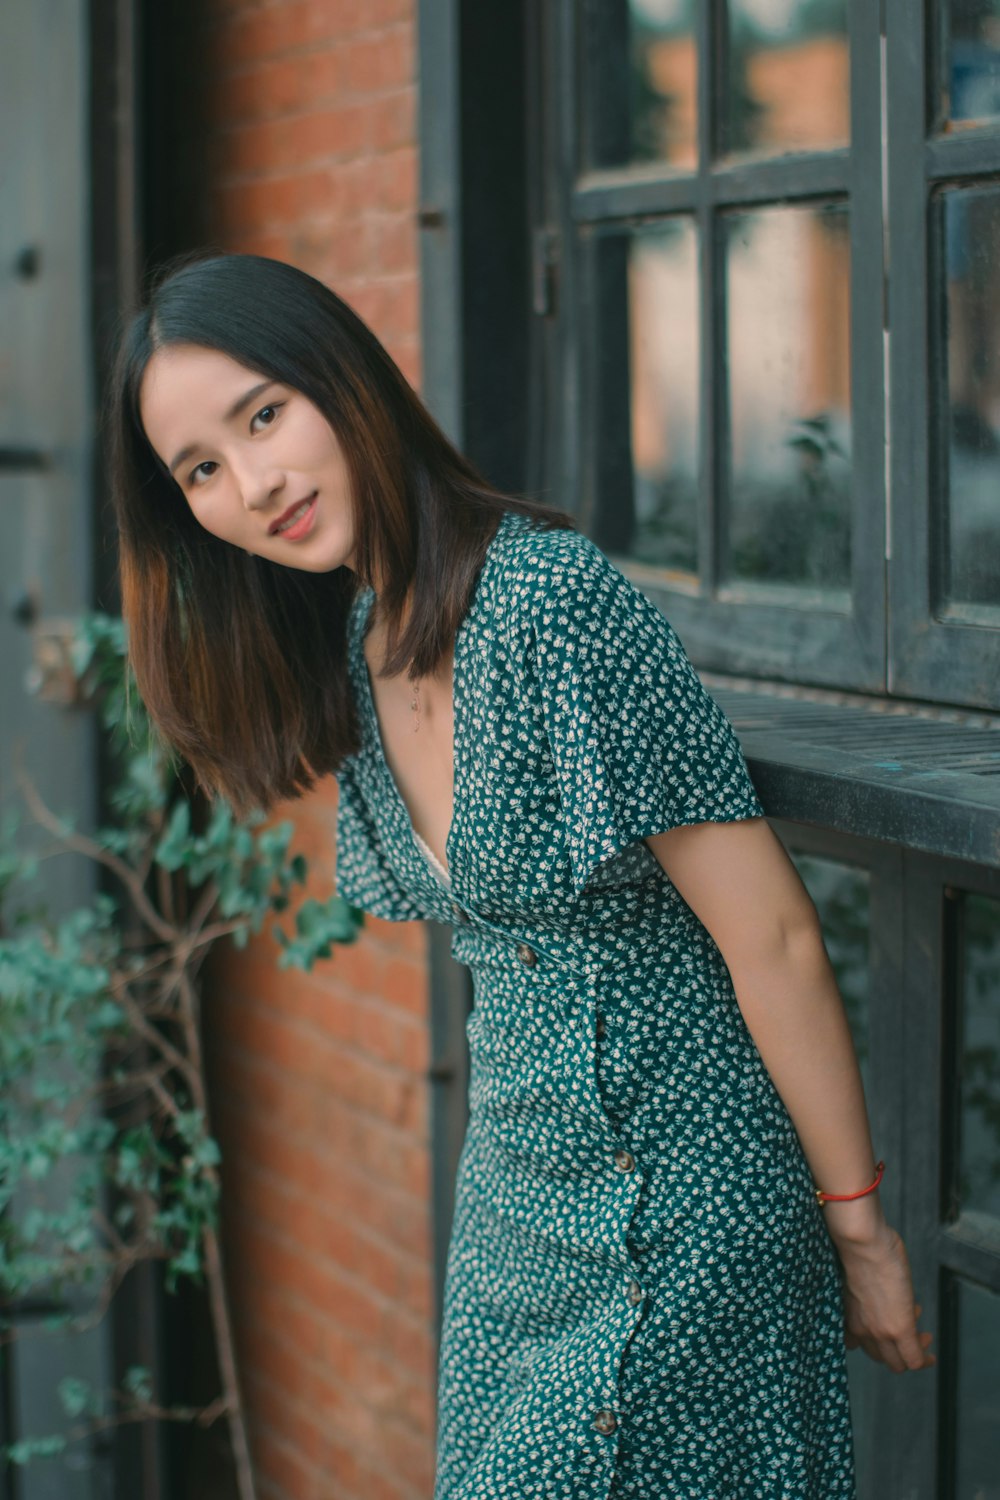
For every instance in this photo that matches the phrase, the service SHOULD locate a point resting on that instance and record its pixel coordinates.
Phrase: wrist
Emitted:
(857, 1225)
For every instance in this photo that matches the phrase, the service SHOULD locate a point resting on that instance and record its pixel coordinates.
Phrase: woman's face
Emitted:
(258, 463)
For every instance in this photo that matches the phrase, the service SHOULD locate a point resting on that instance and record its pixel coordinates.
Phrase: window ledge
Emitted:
(925, 778)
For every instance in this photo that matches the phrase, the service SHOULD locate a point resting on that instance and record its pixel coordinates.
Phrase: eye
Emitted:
(267, 415)
(198, 473)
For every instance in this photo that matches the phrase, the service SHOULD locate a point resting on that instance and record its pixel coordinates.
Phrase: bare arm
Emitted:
(741, 884)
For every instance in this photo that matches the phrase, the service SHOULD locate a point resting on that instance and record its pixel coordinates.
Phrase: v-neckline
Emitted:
(457, 717)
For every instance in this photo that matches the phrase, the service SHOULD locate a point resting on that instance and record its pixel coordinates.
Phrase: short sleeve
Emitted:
(638, 744)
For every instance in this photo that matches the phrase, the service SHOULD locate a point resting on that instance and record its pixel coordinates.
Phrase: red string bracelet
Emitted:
(822, 1197)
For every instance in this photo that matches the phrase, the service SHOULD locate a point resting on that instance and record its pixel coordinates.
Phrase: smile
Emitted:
(298, 521)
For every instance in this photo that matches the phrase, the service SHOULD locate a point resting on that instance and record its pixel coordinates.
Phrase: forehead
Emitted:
(186, 386)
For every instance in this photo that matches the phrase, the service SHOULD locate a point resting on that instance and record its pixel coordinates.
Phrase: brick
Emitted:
(392, 120)
(396, 174)
(383, 61)
(394, 244)
(404, 984)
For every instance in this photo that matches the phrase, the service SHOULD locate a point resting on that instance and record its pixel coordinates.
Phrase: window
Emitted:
(739, 250)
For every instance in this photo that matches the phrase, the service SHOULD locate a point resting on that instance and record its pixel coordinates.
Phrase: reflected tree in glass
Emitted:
(788, 76)
(979, 1054)
(641, 83)
(971, 227)
(664, 356)
(977, 1393)
(788, 363)
(972, 51)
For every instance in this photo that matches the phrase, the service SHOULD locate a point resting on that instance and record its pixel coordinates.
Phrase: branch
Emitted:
(81, 844)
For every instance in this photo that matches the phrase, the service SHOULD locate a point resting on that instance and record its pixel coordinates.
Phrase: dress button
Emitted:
(526, 954)
(624, 1161)
(605, 1421)
(600, 1028)
(634, 1293)
(457, 912)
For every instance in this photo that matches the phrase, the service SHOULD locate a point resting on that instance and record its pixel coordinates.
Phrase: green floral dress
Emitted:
(642, 1299)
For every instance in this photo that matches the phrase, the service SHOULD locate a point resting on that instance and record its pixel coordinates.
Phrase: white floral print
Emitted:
(642, 1299)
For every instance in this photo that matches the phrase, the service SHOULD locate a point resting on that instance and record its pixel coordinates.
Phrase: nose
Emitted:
(259, 486)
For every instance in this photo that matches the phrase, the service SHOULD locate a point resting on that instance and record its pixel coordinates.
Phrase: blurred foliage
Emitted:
(106, 1159)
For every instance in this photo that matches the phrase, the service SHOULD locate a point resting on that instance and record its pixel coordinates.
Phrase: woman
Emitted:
(645, 1296)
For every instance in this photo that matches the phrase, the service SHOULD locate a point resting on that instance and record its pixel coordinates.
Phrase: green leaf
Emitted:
(74, 1394)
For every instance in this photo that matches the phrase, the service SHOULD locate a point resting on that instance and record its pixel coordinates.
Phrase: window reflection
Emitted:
(979, 1054)
(665, 359)
(973, 54)
(641, 83)
(789, 76)
(972, 243)
(643, 392)
(977, 1394)
(788, 336)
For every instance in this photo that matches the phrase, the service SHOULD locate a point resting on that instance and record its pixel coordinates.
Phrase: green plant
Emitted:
(106, 1154)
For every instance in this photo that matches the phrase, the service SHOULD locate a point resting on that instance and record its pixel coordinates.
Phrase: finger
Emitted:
(911, 1349)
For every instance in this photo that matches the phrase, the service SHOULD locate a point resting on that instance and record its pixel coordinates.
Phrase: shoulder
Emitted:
(544, 572)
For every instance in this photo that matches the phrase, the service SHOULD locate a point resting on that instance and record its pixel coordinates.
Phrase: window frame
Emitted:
(938, 652)
(735, 628)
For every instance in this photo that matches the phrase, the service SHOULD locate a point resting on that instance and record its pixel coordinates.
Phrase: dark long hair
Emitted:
(242, 662)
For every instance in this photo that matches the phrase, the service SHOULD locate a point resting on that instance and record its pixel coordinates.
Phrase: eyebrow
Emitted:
(238, 405)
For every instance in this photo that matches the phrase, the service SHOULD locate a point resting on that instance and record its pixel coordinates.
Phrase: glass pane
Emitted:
(648, 354)
(973, 60)
(977, 1395)
(972, 245)
(788, 338)
(979, 1055)
(789, 76)
(640, 67)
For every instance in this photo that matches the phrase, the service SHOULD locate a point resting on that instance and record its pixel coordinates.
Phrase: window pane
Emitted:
(973, 59)
(979, 1055)
(647, 454)
(977, 1394)
(789, 76)
(788, 336)
(640, 71)
(972, 245)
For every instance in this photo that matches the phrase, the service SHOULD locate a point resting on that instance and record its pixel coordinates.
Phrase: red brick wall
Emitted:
(318, 1082)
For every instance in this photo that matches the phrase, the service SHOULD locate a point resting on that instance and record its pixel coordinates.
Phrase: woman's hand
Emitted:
(880, 1315)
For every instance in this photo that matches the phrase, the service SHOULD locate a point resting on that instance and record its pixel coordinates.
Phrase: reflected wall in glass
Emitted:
(789, 396)
(640, 83)
(972, 60)
(664, 359)
(971, 228)
(978, 1054)
(789, 77)
(642, 384)
(977, 1393)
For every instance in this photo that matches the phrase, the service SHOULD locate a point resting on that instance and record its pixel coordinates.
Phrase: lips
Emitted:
(294, 514)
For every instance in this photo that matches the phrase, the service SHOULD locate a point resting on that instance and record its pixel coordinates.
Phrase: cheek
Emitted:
(216, 516)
